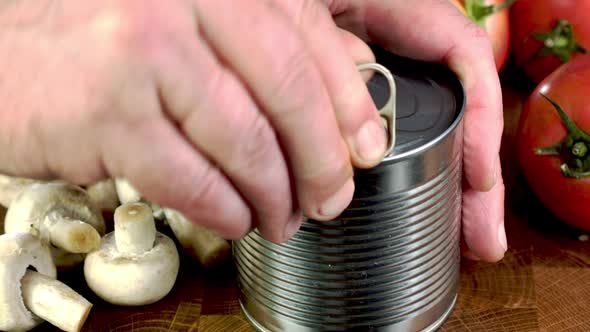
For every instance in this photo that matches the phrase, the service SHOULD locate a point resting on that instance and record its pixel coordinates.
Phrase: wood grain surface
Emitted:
(542, 284)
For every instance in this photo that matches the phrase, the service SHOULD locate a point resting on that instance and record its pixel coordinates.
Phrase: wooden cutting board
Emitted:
(542, 284)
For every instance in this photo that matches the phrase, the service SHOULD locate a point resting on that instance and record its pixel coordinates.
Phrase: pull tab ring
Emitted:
(387, 112)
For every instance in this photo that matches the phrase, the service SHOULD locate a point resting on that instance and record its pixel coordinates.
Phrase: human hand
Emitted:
(235, 113)
(434, 30)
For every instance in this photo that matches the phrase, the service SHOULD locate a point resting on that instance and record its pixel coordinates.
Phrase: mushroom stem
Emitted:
(54, 301)
(73, 235)
(135, 228)
(127, 193)
(199, 242)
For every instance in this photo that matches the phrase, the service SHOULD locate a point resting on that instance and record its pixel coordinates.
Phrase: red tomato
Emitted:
(568, 25)
(493, 17)
(559, 173)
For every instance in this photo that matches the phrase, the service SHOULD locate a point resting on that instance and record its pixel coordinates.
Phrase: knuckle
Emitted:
(347, 92)
(221, 86)
(102, 106)
(84, 172)
(248, 135)
(478, 32)
(206, 190)
(303, 11)
(479, 36)
(213, 206)
(297, 84)
(257, 145)
(328, 177)
(353, 101)
(126, 32)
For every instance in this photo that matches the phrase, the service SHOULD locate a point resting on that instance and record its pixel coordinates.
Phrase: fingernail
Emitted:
(293, 225)
(334, 205)
(370, 141)
(502, 237)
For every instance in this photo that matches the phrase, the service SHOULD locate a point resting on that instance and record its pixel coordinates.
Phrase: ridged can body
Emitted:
(389, 262)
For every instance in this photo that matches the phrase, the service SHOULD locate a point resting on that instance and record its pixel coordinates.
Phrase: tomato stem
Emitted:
(573, 149)
(478, 11)
(560, 41)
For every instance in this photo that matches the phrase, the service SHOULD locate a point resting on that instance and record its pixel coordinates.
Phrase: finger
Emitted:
(166, 169)
(470, 255)
(466, 252)
(282, 76)
(359, 51)
(483, 222)
(357, 48)
(357, 115)
(435, 31)
(221, 119)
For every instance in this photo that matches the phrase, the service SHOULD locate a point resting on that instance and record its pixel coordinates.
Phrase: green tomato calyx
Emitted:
(573, 149)
(560, 41)
(478, 11)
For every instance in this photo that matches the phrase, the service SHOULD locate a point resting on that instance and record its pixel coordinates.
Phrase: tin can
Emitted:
(390, 261)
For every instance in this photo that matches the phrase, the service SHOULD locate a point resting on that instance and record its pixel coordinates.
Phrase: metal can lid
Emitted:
(429, 100)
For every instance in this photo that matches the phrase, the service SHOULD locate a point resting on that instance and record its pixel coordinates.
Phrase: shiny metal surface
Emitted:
(390, 262)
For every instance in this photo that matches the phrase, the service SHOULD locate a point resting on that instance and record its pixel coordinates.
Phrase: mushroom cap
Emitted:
(10, 186)
(132, 280)
(19, 251)
(66, 260)
(104, 194)
(41, 203)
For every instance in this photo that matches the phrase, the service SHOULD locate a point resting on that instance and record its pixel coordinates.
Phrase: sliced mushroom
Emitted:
(27, 297)
(60, 214)
(135, 264)
(202, 244)
(104, 194)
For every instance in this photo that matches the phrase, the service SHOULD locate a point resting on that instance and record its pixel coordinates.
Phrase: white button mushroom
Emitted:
(126, 191)
(11, 186)
(60, 214)
(27, 298)
(135, 264)
(200, 243)
(208, 248)
(104, 194)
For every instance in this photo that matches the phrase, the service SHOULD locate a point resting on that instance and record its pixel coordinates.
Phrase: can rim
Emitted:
(459, 91)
